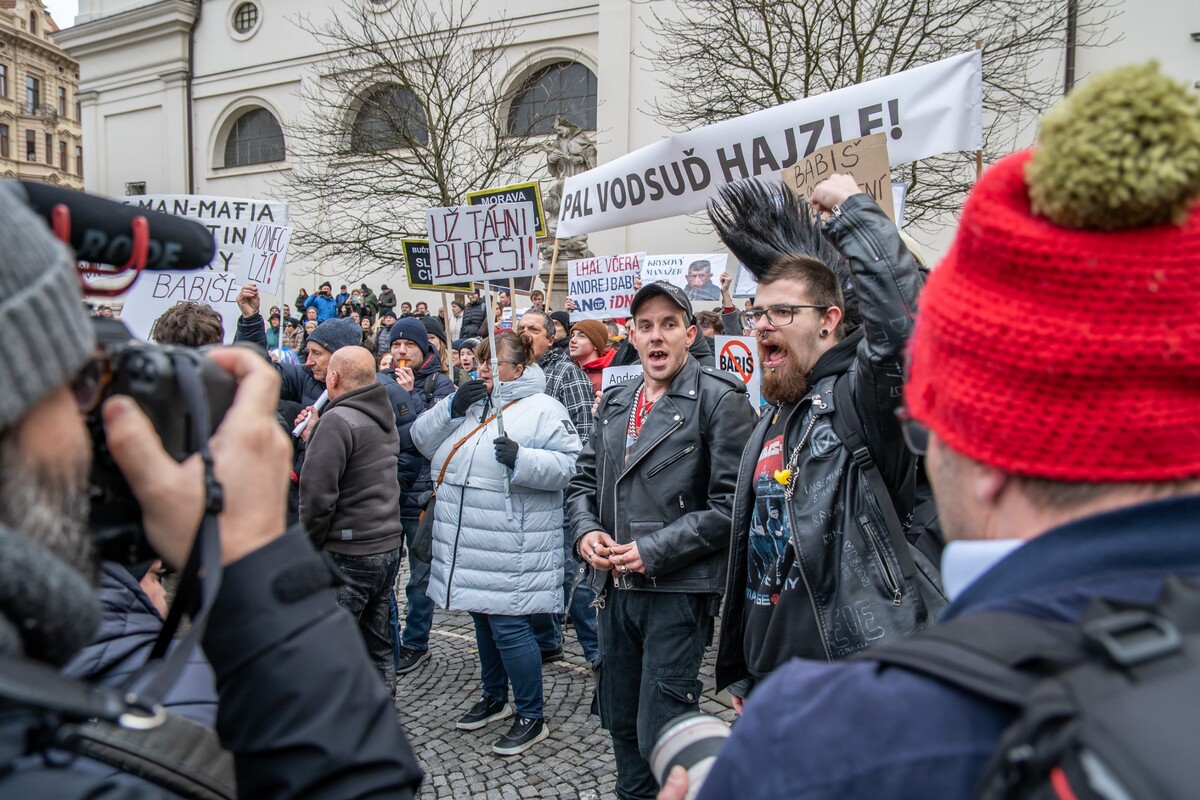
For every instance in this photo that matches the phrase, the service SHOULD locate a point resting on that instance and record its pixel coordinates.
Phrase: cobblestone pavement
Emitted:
(574, 763)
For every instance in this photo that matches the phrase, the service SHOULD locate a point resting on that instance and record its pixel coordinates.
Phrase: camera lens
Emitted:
(691, 740)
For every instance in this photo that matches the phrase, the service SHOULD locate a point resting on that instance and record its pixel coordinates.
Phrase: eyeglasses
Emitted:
(487, 364)
(778, 316)
(88, 387)
(916, 435)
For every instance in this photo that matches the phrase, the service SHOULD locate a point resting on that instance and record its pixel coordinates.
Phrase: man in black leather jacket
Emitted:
(649, 507)
(795, 467)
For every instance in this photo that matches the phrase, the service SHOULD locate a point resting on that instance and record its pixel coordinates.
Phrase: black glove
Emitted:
(506, 451)
(467, 395)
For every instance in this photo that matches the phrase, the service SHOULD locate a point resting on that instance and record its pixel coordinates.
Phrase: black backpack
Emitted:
(1107, 709)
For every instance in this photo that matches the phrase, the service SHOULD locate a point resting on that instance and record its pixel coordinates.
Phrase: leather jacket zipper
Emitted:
(672, 460)
(888, 577)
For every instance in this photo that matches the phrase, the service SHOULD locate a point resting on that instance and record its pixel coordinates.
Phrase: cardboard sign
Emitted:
(618, 376)
(703, 268)
(739, 355)
(602, 287)
(264, 256)
(517, 193)
(926, 111)
(483, 243)
(230, 220)
(866, 158)
(419, 272)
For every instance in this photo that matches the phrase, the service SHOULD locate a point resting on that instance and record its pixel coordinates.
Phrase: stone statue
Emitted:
(570, 152)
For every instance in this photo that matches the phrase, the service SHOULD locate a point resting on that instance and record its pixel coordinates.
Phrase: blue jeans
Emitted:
(509, 654)
(577, 599)
(653, 644)
(419, 618)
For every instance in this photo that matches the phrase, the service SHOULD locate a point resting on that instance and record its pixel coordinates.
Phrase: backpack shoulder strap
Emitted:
(430, 388)
(849, 428)
(997, 656)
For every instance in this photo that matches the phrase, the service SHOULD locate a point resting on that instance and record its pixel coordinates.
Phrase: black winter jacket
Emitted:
(473, 318)
(301, 709)
(675, 493)
(828, 509)
(429, 386)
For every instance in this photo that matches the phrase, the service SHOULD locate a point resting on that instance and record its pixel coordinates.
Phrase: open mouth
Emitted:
(657, 358)
(771, 355)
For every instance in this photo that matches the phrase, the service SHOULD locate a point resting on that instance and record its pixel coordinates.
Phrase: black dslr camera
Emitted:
(149, 374)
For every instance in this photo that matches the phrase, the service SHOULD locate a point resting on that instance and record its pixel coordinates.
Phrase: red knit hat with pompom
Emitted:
(1070, 349)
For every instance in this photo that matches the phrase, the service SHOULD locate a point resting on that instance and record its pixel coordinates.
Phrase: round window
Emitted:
(244, 20)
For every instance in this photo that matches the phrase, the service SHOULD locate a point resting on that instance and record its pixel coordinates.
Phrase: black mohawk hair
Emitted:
(763, 221)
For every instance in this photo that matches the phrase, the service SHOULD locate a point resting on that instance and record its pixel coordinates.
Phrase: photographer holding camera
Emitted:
(300, 707)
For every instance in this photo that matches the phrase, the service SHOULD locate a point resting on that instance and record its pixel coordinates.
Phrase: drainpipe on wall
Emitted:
(191, 71)
(1072, 24)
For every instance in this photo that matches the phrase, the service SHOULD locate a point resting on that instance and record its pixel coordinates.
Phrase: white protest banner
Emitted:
(602, 287)
(746, 284)
(264, 256)
(616, 376)
(926, 111)
(485, 242)
(899, 199)
(678, 269)
(217, 285)
(737, 355)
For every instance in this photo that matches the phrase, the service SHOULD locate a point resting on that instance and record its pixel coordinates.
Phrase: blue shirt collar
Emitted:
(1103, 543)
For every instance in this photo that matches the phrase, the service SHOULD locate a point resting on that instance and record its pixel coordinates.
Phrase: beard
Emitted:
(48, 504)
(786, 384)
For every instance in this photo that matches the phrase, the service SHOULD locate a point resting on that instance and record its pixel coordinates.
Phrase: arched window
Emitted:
(389, 117)
(255, 138)
(565, 89)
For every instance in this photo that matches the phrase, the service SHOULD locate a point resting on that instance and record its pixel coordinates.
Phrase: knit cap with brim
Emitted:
(596, 332)
(42, 350)
(1060, 336)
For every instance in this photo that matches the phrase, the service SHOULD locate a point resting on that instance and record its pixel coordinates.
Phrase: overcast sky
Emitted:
(63, 11)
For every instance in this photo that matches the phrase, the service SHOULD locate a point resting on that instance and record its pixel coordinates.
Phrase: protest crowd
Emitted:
(955, 476)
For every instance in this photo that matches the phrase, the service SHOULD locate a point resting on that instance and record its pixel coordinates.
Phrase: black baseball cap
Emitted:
(664, 289)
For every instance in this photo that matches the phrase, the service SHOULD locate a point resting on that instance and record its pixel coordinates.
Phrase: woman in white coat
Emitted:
(497, 526)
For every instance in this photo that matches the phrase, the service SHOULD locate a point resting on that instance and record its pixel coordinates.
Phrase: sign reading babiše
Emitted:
(865, 159)
(230, 220)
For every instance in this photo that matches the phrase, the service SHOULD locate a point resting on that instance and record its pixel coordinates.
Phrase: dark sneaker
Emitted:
(408, 660)
(523, 734)
(549, 656)
(485, 711)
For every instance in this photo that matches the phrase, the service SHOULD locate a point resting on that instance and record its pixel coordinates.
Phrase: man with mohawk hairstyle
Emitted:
(841, 576)
(1063, 446)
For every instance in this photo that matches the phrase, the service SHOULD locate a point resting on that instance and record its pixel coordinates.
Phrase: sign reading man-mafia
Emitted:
(482, 243)
(230, 220)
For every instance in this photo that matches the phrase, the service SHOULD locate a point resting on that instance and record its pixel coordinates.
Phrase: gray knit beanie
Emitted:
(37, 275)
(334, 334)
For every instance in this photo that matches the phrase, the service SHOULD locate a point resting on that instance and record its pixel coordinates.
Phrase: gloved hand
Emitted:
(506, 451)
(467, 395)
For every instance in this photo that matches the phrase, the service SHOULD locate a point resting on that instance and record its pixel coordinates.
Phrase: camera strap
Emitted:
(201, 577)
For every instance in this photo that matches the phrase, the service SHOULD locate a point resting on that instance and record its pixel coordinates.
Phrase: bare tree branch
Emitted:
(356, 202)
(725, 58)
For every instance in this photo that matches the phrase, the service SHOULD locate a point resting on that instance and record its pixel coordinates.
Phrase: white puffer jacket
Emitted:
(484, 558)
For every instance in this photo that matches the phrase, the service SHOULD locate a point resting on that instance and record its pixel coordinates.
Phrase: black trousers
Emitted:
(369, 586)
(651, 646)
